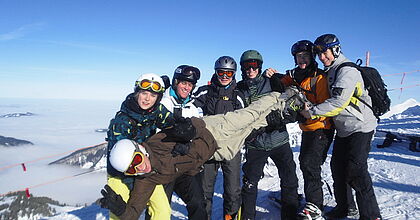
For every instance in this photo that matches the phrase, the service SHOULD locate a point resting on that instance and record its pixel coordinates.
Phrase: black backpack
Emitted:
(375, 86)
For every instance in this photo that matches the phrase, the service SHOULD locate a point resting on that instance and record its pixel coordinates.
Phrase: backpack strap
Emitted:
(351, 64)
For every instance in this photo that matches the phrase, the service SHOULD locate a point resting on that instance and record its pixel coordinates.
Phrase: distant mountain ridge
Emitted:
(11, 142)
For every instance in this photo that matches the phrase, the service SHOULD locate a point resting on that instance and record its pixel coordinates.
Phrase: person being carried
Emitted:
(218, 137)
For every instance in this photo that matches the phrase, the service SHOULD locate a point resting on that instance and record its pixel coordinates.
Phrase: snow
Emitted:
(60, 126)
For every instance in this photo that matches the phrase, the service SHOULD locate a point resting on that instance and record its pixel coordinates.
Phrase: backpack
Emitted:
(375, 86)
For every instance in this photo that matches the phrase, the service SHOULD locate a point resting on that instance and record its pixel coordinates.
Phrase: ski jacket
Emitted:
(184, 108)
(167, 168)
(214, 99)
(349, 114)
(133, 123)
(253, 90)
(315, 87)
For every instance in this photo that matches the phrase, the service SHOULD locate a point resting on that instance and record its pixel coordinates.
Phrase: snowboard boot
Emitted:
(338, 212)
(311, 211)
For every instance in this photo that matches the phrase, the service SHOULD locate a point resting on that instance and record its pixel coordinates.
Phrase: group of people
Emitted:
(167, 138)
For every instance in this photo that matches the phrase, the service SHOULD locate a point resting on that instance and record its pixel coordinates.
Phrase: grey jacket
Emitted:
(349, 114)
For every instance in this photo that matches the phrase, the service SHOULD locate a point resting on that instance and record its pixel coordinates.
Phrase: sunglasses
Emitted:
(321, 48)
(227, 73)
(138, 159)
(250, 64)
(147, 84)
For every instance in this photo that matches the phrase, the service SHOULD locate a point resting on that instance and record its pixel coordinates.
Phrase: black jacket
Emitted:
(215, 99)
(253, 89)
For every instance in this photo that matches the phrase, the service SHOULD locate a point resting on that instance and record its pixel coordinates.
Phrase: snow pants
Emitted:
(231, 184)
(253, 172)
(313, 152)
(188, 188)
(159, 207)
(349, 166)
(231, 129)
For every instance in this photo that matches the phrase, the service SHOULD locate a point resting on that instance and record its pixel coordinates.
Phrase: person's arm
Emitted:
(341, 93)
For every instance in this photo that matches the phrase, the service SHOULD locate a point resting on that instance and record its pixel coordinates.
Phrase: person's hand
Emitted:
(112, 201)
(182, 131)
(305, 112)
(274, 120)
(270, 72)
(181, 149)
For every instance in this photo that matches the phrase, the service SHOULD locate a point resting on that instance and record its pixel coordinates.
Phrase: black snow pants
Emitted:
(231, 184)
(313, 152)
(349, 166)
(253, 172)
(188, 188)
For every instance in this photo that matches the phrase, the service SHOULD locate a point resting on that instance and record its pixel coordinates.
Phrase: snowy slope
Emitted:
(394, 170)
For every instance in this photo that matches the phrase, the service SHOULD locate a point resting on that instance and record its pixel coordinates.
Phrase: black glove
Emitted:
(112, 201)
(275, 120)
(276, 84)
(254, 134)
(183, 131)
(181, 149)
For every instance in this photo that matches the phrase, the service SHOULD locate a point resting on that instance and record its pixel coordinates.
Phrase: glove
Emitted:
(181, 149)
(274, 120)
(183, 131)
(254, 134)
(289, 116)
(112, 201)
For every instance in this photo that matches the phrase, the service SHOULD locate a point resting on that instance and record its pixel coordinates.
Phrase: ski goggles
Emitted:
(149, 85)
(138, 159)
(227, 73)
(254, 64)
(321, 48)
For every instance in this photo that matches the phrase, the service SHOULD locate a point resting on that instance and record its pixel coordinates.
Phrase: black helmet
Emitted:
(301, 46)
(225, 63)
(327, 41)
(186, 73)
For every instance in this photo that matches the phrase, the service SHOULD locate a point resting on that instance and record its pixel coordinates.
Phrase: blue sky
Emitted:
(97, 49)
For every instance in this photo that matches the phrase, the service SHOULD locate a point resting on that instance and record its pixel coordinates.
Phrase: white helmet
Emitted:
(121, 154)
(151, 77)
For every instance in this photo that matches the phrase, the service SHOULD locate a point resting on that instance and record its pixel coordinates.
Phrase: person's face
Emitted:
(145, 167)
(327, 57)
(223, 78)
(184, 88)
(303, 59)
(146, 99)
(251, 73)
(139, 165)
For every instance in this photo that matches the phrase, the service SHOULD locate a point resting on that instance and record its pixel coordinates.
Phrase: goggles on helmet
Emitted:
(254, 64)
(299, 47)
(138, 159)
(149, 85)
(227, 73)
(321, 48)
(188, 73)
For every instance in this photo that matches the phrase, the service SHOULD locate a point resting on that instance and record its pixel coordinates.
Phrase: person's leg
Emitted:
(338, 168)
(286, 166)
(158, 205)
(314, 145)
(120, 188)
(253, 172)
(189, 190)
(208, 180)
(231, 185)
(358, 176)
(231, 129)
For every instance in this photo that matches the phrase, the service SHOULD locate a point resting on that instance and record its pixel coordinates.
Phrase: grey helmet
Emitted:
(225, 63)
